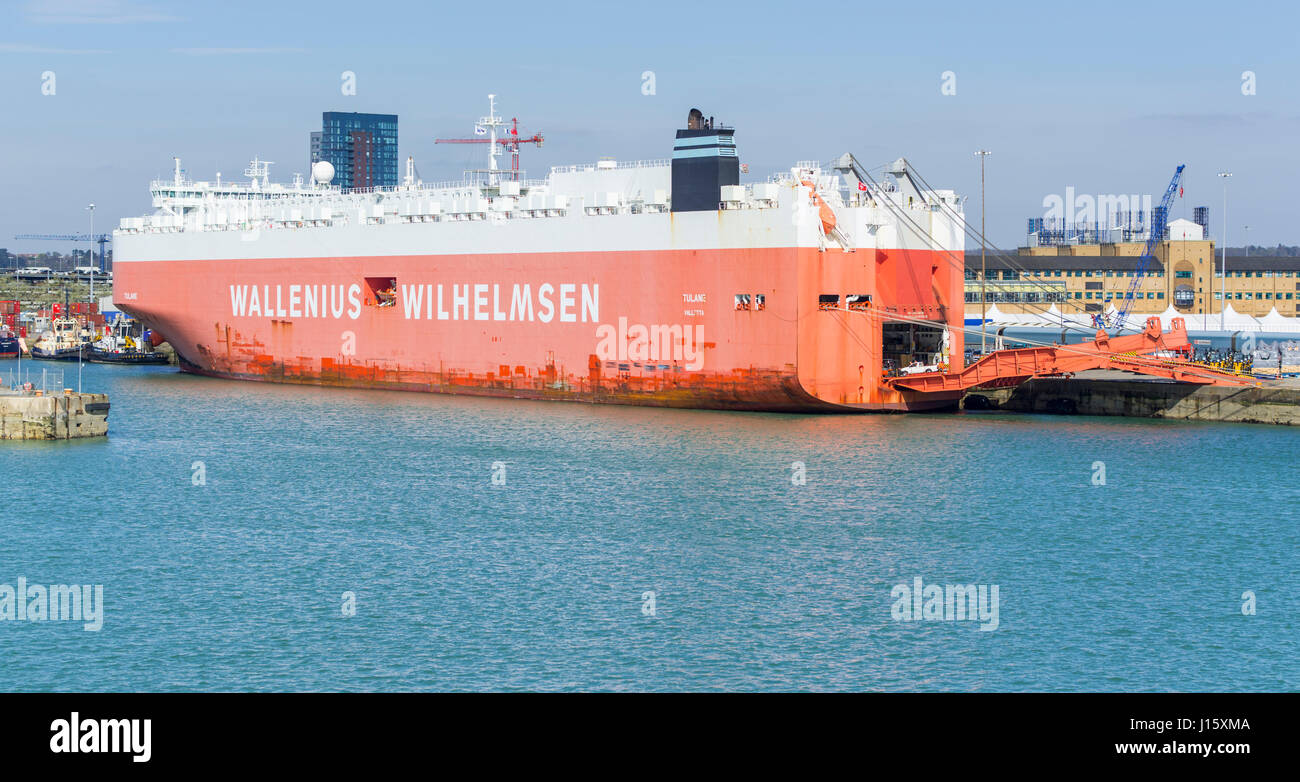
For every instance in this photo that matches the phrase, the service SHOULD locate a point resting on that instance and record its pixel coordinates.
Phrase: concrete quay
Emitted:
(1108, 392)
(31, 415)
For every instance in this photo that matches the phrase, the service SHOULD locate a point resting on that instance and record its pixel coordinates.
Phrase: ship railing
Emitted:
(653, 163)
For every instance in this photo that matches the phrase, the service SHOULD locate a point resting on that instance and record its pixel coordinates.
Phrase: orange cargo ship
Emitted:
(666, 283)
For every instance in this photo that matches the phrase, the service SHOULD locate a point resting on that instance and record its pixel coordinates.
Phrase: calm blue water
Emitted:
(538, 584)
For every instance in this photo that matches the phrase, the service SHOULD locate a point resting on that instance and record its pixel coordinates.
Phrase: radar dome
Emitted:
(322, 171)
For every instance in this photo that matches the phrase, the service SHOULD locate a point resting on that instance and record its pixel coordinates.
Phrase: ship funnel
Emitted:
(704, 161)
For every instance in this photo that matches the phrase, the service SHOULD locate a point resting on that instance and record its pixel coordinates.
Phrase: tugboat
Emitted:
(8, 343)
(65, 342)
(118, 346)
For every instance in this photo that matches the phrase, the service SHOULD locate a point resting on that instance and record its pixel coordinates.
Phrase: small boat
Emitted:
(133, 357)
(65, 342)
(8, 343)
(46, 353)
(119, 346)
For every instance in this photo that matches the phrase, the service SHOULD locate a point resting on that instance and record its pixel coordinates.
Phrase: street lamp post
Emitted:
(983, 153)
(1223, 264)
(92, 251)
(94, 270)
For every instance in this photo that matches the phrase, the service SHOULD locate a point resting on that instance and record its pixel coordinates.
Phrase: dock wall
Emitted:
(54, 417)
(1145, 399)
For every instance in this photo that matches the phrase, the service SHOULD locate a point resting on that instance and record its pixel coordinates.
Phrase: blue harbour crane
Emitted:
(1159, 220)
(100, 239)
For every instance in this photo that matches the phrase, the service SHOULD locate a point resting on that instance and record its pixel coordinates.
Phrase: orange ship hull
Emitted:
(735, 329)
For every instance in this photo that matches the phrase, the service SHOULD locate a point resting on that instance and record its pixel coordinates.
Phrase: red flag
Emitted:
(1180, 191)
(862, 186)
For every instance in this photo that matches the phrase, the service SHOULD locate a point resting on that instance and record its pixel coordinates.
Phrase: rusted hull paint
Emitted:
(781, 394)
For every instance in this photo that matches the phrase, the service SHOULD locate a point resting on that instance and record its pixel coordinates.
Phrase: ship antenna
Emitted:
(491, 122)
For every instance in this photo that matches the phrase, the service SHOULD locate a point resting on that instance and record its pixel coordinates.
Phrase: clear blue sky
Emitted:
(1104, 97)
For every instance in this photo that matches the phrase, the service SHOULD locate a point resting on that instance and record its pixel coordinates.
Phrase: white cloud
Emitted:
(203, 51)
(93, 12)
(26, 48)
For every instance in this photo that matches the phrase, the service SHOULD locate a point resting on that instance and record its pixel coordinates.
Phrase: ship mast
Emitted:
(492, 122)
(487, 126)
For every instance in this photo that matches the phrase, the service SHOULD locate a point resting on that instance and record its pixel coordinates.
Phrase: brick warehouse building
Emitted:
(1091, 277)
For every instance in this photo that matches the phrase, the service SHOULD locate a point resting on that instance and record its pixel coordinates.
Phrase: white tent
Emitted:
(1235, 321)
(1166, 317)
(1276, 321)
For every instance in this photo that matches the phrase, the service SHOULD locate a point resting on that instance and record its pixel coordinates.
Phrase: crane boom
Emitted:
(488, 125)
(100, 239)
(67, 237)
(1159, 220)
